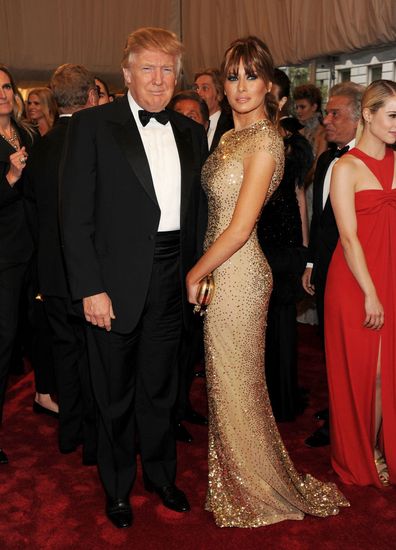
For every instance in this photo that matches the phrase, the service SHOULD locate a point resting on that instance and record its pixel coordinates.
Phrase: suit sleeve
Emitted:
(316, 210)
(77, 208)
(203, 202)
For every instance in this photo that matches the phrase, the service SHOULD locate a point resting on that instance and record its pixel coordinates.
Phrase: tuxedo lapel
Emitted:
(184, 146)
(128, 138)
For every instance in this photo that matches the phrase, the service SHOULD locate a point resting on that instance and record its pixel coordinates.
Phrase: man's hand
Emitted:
(98, 310)
(306, 281)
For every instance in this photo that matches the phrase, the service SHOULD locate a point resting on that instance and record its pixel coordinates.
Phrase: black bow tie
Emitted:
(145, 116)
(339, 152)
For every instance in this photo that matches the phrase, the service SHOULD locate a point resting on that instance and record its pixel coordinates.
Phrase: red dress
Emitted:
(352, 350)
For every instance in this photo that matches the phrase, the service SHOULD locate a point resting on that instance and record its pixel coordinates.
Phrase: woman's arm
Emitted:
(302, 205)
(342, 195)
(321, 144)
(258, 170)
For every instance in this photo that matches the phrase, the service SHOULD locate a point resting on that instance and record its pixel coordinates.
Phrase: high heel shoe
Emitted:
(382, 468)
(39, 409)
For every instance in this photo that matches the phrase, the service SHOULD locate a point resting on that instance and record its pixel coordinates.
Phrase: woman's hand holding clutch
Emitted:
(201, 293)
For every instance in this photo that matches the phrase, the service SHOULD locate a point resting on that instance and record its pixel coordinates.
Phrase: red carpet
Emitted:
(50, 501)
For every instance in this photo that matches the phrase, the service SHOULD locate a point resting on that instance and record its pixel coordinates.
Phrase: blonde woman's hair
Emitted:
(374, 98)
(47, 102)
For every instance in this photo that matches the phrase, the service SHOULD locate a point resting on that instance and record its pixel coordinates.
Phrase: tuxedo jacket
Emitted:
(323, 235)
(43, 189)
(16, 244)
(109, 211)
(224, 124)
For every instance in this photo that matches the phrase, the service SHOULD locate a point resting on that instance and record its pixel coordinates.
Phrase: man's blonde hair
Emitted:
(152, 38)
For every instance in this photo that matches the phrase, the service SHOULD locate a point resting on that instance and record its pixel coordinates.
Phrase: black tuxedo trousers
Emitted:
(135, 383)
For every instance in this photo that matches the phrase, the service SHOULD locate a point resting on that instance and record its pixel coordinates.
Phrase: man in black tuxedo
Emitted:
(74, 89)
(131, 204)
(341, 120)
(208, 84)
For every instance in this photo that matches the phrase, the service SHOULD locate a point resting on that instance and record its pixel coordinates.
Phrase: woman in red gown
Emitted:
(360, 300)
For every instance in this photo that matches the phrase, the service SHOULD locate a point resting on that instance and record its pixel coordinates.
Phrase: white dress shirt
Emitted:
(213, 120)
(163, 158)
(327, 180)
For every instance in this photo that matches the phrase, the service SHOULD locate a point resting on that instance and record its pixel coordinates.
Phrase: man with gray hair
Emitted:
(341, 122)
(130, 205)
(74, 90)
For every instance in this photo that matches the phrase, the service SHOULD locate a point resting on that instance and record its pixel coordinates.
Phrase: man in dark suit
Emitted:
(341, 120)
(131, 202)
(74, 89)
(208, 84)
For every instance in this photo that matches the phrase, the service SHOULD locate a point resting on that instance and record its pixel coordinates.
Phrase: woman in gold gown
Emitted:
(252, 481)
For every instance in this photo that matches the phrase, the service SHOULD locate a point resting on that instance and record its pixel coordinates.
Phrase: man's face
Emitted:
(205, 87)
(190, 108)
(339, 122)
(151, 78)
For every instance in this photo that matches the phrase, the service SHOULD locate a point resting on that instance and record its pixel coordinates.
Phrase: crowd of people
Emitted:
(112, 212)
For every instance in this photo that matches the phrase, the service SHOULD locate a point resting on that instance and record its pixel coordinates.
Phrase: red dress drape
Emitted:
(352, 350)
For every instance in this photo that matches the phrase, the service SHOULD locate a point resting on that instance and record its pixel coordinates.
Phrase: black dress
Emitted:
(280, 236)
(16, 251)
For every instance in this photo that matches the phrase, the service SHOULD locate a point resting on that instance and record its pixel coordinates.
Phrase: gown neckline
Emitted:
(388, 152)
(260, 121)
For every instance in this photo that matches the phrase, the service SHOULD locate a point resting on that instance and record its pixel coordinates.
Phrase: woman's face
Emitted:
(382, 123)
(305, 109)
(6, 94)
(34, 108)
(246, 92)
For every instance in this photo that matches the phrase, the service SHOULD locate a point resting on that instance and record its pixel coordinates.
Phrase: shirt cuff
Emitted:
(309, 264)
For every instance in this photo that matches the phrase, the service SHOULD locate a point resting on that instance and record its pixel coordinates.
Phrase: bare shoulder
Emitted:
(347, 165)
(346, 174)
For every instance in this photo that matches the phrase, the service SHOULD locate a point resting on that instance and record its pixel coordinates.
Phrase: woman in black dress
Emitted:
(280, 232)
(16, 244)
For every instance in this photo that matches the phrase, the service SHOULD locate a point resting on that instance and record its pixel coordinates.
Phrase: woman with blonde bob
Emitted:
(360, 299)
(252, 481)
(41, 109)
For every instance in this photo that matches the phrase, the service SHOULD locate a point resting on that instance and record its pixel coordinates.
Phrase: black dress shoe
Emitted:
(182, 434)
(319, 438)
(39, 409)
(172, 497)
(195, 417)
(3, 457)
(68, 449)
(119, 512)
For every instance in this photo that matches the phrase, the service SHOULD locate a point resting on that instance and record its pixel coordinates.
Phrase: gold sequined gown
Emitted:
(252, 481)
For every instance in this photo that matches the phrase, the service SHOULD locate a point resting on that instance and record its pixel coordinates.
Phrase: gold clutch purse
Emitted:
(205, 294)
